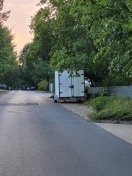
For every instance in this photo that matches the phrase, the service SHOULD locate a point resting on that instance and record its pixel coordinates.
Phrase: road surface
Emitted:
(41, 138)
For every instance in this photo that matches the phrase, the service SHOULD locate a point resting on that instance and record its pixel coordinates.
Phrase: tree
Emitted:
(22, 56)
(94, 35)
(8, 63)
(4, 15)
(73, 47)
(111, 33)
(25, 77)
(38, 55)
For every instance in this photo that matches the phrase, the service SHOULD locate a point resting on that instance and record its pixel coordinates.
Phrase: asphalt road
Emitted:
(41, 138)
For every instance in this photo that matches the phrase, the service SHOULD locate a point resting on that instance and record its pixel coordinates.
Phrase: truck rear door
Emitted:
(78, 82)
(65, 83)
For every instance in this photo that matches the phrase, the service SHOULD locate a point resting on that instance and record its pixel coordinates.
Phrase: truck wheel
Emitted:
(55, 98)
(79, 101)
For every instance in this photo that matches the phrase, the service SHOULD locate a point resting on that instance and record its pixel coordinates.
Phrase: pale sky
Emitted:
(19, 20)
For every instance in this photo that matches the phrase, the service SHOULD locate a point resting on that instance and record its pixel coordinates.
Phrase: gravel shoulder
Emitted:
(78, 108)
(123, 131)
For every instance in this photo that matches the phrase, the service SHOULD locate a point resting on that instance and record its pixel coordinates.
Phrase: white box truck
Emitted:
(69, 86)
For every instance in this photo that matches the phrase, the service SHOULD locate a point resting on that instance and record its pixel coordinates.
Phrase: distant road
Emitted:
(41, 138)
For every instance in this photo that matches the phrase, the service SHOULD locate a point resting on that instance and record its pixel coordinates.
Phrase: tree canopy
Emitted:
(8, 63)
(94, 35)
(37, 57)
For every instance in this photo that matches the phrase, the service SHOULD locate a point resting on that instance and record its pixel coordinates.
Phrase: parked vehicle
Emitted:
(3, 86)
(69, 86)
(32, 88)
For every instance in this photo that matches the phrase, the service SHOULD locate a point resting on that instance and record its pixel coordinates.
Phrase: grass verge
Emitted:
(2, 91)
(111, 108)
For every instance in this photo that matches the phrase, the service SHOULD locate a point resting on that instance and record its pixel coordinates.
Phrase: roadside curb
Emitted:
(113, 122)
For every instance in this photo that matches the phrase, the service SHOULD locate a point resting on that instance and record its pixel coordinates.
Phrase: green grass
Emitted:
(2, 91)
(111, 108)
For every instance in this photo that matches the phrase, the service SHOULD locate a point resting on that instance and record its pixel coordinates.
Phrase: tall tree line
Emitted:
(8, 63)
(94, 35)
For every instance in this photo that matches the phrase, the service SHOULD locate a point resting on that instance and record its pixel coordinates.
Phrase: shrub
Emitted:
(111, 108)
(43, 86)
(100, 102)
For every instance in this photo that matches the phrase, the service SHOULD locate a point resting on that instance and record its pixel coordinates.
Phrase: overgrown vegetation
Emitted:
(111, 108)
(43, 86)
(3, 91)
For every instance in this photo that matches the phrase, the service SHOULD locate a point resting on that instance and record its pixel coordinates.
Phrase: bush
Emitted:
(100, 102)
(43, 86)
(111, 108)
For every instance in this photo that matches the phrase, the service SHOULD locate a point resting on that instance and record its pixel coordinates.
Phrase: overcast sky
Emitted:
(19, 20)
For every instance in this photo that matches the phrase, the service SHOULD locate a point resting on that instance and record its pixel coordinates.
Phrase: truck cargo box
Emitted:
(69, 86)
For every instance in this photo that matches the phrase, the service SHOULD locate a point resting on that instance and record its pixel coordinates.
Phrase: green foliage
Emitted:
(90, 35)
(3, 91)
(4, 15)
(8, 63)
(37, 55)
(22, 56)
(95, 36)
(42, 70)
(111, 108)
(43, 86)
(34, 65)
(100, 102)
(25, 77)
